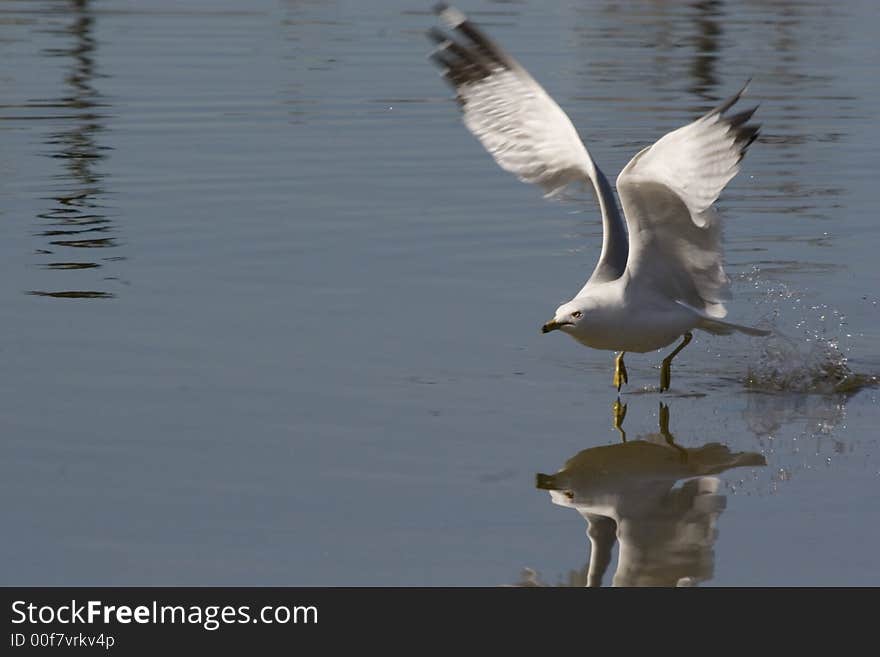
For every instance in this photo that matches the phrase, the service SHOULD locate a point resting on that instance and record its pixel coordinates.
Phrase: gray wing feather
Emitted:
(667, 192)
(521, 126)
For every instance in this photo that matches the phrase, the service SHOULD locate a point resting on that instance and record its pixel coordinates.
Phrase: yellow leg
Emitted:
(664, 423)
(619, 411)
(665, 374)
(619, 372)
(664, 431)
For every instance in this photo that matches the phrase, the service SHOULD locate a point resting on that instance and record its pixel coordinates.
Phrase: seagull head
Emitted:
(567, 316)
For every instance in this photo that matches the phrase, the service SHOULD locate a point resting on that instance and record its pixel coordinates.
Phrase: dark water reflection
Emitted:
(78, 220)
(709, 19)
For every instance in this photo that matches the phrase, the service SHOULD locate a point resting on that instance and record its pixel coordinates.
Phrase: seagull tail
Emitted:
(718, 327)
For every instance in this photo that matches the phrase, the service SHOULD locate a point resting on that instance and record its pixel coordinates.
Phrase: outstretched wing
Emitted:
(667, 191)
(521, 125)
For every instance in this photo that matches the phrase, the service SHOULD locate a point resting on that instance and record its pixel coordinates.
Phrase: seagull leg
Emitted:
(619, 411)
(664, 431)
(619, 371)
(665, 374)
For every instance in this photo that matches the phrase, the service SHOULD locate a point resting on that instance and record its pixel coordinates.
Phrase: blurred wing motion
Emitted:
(667, 191)
(521, 126)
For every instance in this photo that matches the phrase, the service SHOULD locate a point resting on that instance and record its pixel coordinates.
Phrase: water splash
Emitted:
(814, 362)
(817, 366)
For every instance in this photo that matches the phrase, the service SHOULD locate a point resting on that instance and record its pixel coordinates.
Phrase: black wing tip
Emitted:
(745, 133)
(727, 103)
(742, 91)
(450, 15)
(741, 118)
(469, 58)
(744, 136)
(437, 35)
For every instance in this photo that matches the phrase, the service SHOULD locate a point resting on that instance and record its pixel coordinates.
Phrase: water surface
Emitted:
(271, 315)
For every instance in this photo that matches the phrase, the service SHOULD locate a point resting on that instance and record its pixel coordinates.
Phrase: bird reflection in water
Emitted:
(627, 492)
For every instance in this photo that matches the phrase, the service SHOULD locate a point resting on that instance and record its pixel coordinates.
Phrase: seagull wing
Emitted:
(667, 191)
(522, 126)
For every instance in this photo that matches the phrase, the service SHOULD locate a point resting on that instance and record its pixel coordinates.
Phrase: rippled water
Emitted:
(271, 316)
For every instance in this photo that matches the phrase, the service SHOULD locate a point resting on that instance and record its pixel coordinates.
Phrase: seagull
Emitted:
(660, 273)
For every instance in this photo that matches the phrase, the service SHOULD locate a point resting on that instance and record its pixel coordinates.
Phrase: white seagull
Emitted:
(660, 274)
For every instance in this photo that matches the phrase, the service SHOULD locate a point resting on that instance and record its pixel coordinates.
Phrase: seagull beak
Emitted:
(552, 325)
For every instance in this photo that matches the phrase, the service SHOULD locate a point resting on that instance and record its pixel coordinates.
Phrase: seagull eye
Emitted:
(577, 314)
